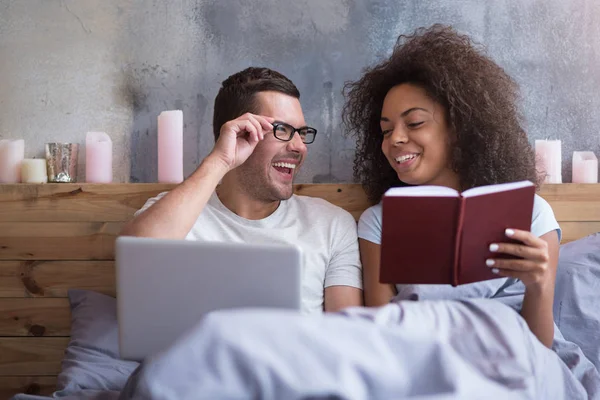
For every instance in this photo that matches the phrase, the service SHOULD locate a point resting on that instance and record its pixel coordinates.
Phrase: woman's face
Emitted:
(416, 137)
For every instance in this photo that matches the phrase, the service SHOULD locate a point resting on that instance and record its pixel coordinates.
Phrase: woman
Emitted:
(440, 112)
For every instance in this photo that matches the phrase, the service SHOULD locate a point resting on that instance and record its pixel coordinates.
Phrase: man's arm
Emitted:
(343, 278)
(174, 215)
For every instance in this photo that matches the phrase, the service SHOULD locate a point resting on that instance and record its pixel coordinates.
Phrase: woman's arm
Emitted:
(375, 293)
(536, 268)
(539, 298)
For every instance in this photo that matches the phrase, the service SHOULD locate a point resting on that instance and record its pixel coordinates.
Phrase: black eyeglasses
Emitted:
(286, 132)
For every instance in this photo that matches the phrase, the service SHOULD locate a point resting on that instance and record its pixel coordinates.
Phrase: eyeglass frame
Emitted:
(294, 130)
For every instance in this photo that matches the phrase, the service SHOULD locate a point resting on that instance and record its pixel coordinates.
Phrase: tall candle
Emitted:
(12, 153)
(34, 171)
(98, 158)
(585, 167)
(170, 146)
(549, 160)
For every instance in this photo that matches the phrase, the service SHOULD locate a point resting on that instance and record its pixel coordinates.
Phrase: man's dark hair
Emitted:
(237, 95)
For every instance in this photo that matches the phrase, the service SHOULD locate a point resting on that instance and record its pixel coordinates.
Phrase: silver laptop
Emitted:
(165, 287)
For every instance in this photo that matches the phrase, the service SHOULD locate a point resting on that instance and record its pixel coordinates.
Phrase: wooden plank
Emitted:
(58, 240)
(350, 197)
(76, 201)
(118, 202)
(35, 317)
(576, 211)
(571, 191)
(576, 230)
(31, 356)
(573, 202)
(33, 385)
(54, 278)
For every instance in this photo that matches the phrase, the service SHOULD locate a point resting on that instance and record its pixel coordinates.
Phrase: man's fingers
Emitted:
(265, 122)
(247, 128)
(257, 125)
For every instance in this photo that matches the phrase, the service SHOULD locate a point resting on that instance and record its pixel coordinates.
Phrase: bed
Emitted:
(55, 237)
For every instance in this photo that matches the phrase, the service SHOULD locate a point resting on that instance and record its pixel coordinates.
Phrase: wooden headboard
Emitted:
(59, 236)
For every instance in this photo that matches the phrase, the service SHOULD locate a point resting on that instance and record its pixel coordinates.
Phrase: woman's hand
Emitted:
(533, 267)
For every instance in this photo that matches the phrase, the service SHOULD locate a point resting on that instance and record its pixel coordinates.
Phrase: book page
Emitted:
(421, 191)
(502, 187)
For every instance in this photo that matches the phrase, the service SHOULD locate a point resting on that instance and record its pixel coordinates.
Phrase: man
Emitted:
(260, 143)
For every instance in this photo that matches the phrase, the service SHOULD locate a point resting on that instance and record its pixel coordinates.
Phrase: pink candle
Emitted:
(12, 153)
(585, 167)
(549, 160)
(170, 146)
(98, 158)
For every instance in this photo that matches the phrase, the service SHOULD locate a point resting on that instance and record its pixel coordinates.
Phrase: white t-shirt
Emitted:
(326, 234)
(543, 221)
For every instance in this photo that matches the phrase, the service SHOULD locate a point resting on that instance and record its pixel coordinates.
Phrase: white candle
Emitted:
(34, 171)
(585, 167)
(549, 160)
(170, 146)
(12, 153)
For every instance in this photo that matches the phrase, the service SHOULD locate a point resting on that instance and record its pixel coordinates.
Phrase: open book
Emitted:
(436, 235)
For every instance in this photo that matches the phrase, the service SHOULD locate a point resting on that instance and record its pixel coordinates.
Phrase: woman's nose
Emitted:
(398, 136)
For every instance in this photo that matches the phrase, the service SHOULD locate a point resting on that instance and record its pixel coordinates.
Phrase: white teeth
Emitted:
(284, 165)
(406, 157)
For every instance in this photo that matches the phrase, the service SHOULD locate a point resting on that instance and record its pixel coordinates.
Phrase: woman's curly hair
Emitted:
(489, 144)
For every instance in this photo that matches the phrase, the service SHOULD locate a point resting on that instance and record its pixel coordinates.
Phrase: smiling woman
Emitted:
(440, 112)
(455, 83)
(415, 137)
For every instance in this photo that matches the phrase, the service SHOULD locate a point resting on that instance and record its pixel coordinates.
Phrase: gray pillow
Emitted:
(577, 295)
(91, 359)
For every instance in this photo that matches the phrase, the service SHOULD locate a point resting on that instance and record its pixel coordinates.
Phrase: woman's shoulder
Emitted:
(372, 214)
(541, 208)
(369, 224)
(543, 219)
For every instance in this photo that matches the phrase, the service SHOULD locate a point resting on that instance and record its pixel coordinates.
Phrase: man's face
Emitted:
(269, 172)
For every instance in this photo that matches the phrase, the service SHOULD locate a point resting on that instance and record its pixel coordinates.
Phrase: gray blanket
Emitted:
(425, 350)
(408, 350)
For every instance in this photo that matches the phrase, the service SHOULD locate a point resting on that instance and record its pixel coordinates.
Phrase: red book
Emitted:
(436, 235)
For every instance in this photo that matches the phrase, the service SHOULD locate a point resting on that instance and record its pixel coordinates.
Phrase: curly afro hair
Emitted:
(489, 144)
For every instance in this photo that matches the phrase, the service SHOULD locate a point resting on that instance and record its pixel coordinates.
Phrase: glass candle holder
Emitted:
(62, 162)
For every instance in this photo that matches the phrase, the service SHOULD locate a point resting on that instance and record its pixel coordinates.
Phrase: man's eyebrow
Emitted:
(283, 122)
(405, 113)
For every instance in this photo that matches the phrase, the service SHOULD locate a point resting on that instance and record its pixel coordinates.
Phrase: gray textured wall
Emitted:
(68, 67)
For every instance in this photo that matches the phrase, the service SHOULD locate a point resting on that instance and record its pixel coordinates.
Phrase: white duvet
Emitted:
(476, 349)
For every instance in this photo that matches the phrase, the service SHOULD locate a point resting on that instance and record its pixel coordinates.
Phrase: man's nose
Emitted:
(296, 144)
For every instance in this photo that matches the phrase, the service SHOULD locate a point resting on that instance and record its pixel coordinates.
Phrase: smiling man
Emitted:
(261, 141)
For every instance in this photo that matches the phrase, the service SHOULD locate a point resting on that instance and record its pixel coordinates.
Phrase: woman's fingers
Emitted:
(519, 250)
(526, 237)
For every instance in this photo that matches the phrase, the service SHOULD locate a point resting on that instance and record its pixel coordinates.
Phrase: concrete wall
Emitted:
(68, 67)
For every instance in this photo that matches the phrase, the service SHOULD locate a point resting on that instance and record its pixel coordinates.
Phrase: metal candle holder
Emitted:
(62, 162)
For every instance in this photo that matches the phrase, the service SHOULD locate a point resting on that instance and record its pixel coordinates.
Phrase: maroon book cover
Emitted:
(435, 235)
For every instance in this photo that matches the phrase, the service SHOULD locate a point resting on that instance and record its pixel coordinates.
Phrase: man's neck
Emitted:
(242, 203)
